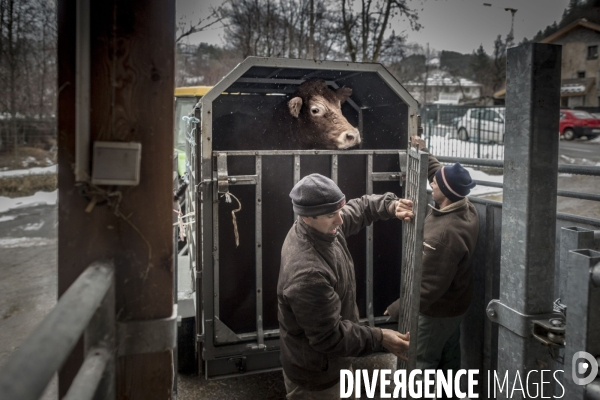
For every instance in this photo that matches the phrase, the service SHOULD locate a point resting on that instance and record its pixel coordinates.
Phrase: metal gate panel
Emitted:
(412, 243)
(220, 340)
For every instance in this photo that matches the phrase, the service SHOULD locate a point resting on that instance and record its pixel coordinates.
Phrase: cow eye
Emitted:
(315, 110)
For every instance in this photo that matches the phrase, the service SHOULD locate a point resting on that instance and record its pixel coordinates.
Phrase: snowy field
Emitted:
(38, 199)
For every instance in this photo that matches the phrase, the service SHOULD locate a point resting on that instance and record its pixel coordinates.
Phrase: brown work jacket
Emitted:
(449, 239)
(316, 292)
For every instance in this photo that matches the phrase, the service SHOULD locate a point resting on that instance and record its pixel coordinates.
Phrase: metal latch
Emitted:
(550, 332)
(222, 176)
(513, 320)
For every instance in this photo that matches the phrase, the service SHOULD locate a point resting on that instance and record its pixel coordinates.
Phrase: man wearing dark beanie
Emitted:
(449, 238)
(316, 291)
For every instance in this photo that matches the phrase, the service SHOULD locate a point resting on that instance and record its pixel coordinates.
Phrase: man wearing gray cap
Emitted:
(316, 291)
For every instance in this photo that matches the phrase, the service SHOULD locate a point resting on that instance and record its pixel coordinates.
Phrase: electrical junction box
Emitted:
(116, 163)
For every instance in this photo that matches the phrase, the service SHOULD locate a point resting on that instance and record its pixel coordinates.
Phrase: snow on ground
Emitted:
(29, 171)
(9, 242)
(449, 146)
(40, 198)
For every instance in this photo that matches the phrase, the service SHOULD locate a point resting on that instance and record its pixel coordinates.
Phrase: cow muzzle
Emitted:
(348, 138)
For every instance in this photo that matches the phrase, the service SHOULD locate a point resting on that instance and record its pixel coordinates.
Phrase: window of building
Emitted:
(592, 52)
(581, 74)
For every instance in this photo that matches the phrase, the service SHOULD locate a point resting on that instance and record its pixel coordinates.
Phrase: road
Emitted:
(580, 149)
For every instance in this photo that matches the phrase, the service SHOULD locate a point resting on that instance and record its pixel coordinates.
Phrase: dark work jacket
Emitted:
(449, 239)
(316, 292)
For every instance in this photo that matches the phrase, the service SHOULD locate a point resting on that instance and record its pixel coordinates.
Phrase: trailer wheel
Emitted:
(186, 346)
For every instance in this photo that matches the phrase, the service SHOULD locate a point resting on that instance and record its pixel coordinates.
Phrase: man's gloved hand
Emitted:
(396, 342)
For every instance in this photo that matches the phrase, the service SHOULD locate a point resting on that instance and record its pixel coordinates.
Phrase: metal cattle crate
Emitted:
(237, 326)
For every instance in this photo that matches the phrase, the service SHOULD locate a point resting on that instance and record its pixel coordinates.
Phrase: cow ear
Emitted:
(343, 93)
(295, 105)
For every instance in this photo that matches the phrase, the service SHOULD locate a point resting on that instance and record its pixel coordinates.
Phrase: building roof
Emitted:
(568, 87)
(443, 78)
(582, 22)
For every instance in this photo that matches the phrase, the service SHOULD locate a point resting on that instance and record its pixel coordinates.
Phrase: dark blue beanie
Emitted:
(454, 181)
(316, 195)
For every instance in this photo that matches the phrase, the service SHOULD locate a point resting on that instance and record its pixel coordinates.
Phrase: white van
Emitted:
(487, 123)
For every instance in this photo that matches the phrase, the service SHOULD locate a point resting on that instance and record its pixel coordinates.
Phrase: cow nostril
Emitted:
(349, 136)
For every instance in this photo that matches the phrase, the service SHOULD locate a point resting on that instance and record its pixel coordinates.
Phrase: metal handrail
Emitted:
(31, 367)
(562, 168)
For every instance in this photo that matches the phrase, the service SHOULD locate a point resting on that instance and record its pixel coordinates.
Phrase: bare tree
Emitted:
(187, 28)
(365, 30)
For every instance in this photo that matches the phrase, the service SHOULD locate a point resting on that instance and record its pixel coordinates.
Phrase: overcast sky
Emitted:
(457, 25)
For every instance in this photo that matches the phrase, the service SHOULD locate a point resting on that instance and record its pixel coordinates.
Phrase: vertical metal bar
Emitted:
(206, 313)
(530, 170)
(215, 248)
(488, 327)
(369, 281)
(361, 121)
(82, 92)
(334, 168)
(583, 322)
(259, 272)
(571, 238)
(296, 176)
(479, 111)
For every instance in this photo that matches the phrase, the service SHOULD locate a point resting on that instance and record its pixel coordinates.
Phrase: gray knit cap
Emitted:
(316, 195)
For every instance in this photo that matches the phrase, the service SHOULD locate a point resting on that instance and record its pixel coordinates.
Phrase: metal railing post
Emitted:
(583, 324)
(530, 169)
(479, 134)
(90, 299)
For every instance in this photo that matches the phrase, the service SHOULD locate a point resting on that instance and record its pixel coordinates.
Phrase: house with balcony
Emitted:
(580, 72)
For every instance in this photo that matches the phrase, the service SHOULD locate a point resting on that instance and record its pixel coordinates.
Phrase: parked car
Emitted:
(577, 123)
(485, 123)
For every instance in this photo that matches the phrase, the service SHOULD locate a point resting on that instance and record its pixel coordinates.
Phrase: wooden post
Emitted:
(132, 80)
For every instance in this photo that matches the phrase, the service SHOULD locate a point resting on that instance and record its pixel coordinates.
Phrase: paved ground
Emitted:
(28, 276)
(580, 149)
(28, 251)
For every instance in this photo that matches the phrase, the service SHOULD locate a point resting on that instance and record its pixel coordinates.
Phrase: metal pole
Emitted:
(82, 92)
(583, 322)
(530, 183)
(479, 133)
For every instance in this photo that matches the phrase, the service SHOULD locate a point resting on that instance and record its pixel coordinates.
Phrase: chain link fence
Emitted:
(27, 132)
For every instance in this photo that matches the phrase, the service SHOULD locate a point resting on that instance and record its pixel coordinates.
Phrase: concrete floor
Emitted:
(28, 278)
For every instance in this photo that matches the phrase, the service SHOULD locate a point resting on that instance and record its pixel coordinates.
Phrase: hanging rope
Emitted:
(228, 197)
(181, 223)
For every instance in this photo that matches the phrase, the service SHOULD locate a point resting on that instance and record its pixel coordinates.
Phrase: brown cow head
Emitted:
(319, 122)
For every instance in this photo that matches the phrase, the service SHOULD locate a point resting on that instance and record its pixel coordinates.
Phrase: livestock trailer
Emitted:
(236, 192)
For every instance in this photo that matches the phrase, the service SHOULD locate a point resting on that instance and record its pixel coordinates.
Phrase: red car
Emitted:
(577, 123)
